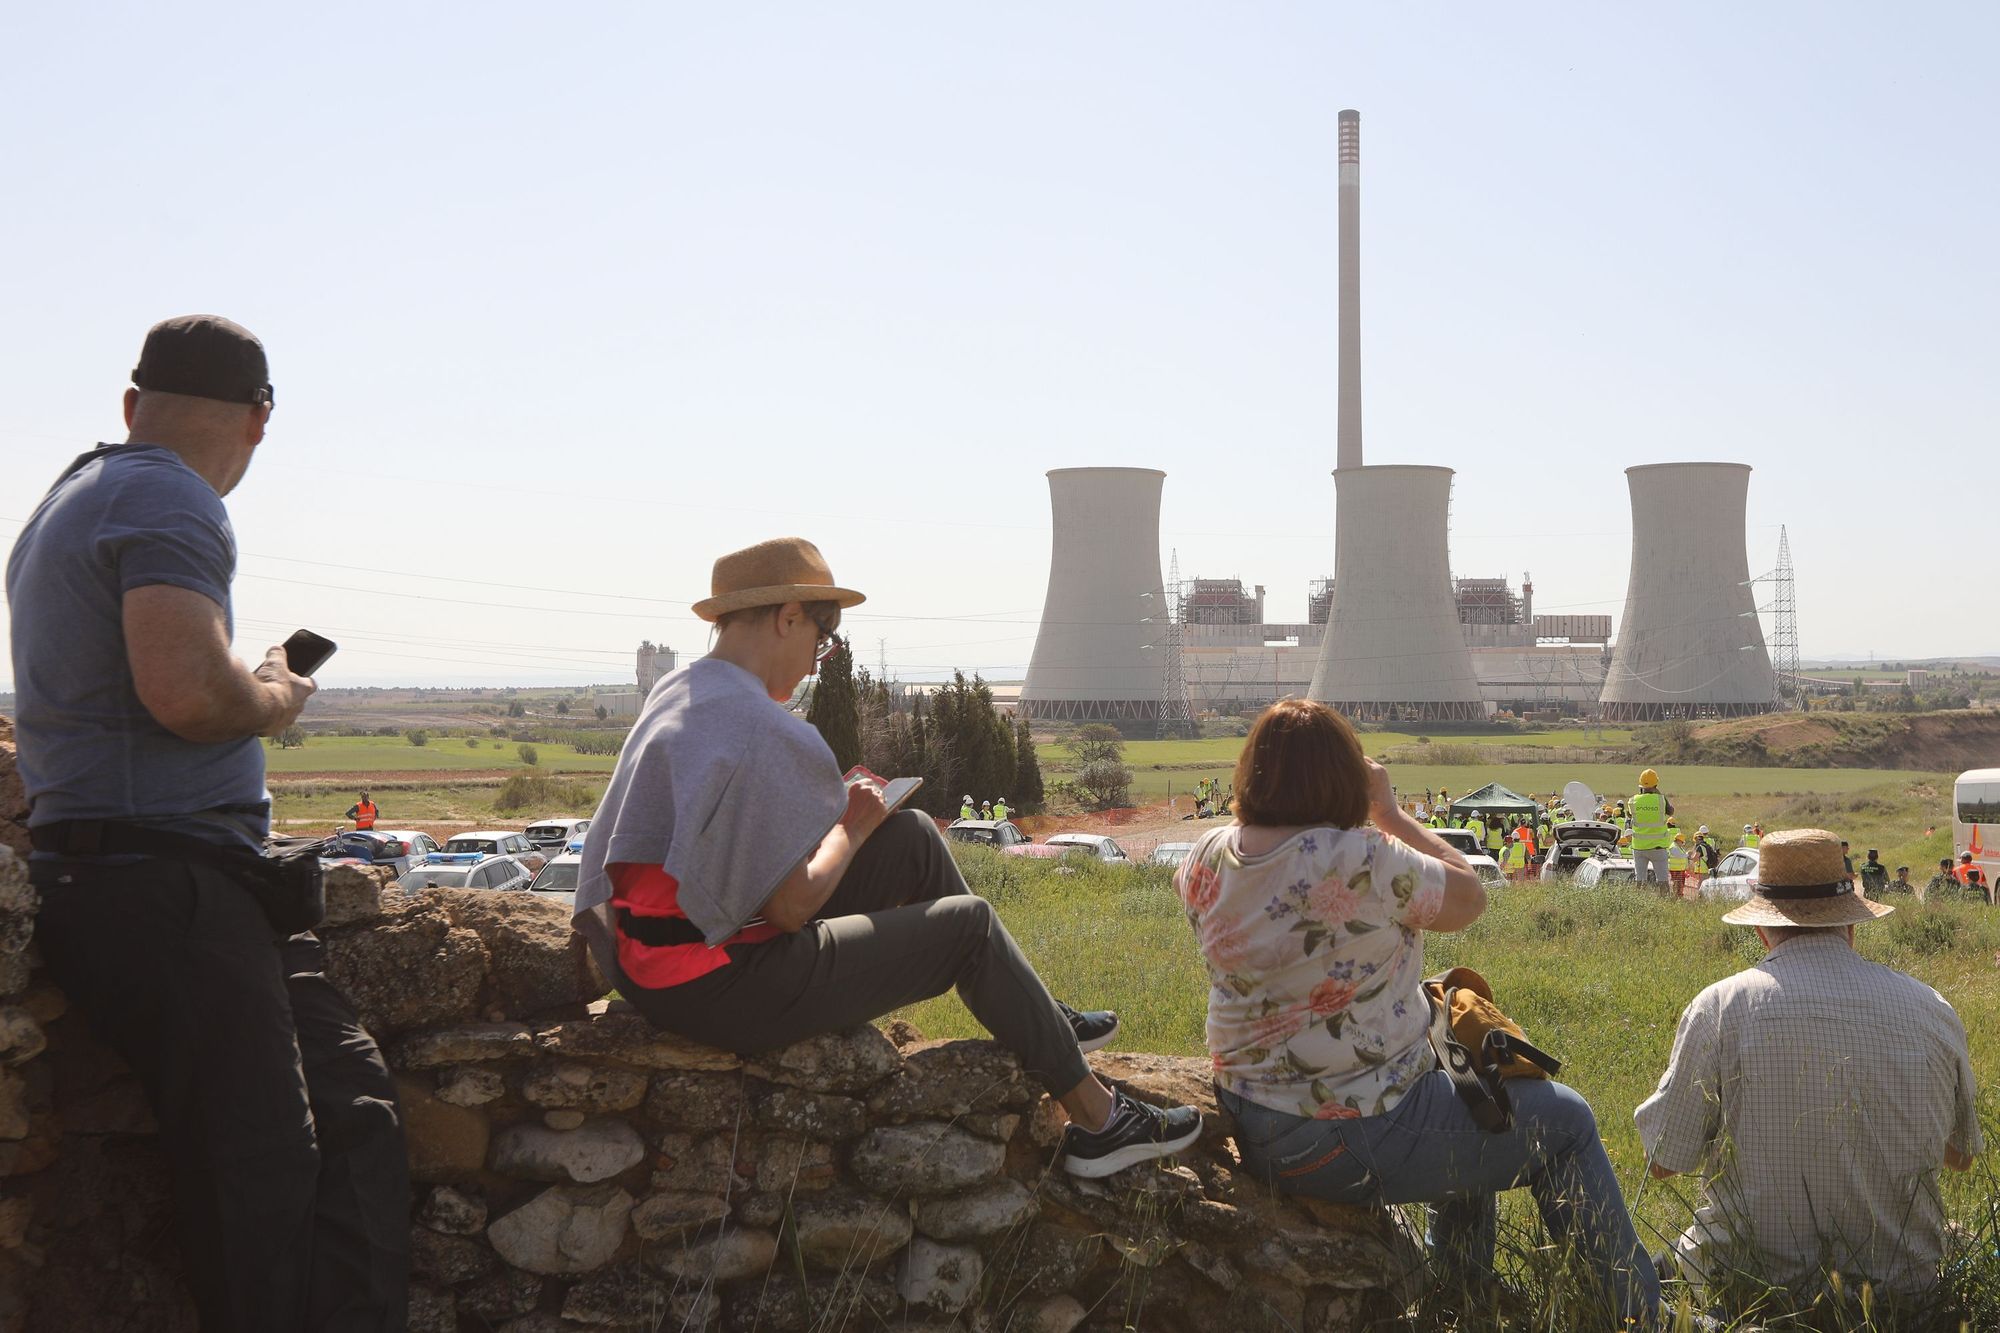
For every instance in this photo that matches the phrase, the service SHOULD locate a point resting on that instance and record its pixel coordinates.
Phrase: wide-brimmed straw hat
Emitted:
(784, 569)
(1802, 881)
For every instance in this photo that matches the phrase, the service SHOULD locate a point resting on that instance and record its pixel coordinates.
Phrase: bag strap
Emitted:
(1501, 1046)
(1489, 1107)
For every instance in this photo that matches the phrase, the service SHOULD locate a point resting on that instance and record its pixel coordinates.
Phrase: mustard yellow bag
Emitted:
(1480, 1047)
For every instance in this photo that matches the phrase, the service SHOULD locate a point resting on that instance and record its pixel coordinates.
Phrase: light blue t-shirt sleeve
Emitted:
(177, 535)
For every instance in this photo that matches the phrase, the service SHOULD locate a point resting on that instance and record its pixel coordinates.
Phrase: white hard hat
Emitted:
(1702, 829)
(1746, 828)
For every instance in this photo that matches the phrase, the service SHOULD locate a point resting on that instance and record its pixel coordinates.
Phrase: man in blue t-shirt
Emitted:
(136, 726)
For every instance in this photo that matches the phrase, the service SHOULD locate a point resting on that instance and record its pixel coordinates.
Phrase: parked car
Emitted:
(1468, 844)
(1169, 854)
(396, 848)
(1042, 851)
(1576, 841)
(556, 832)
(499, 842)
(1604, 870)
(1098, 845)
(468, 870)
(991, 832)
(557, 880)
(1735, 875)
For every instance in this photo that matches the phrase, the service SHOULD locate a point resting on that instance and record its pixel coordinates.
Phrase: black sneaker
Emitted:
(1137, 1132)
(1094, 1030)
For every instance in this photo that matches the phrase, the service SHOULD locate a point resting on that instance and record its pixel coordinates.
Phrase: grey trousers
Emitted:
(901, 927)
(1650, 864)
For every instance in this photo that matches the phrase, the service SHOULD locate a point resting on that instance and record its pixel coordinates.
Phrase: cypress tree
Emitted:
(835, 709)
(1027, 770)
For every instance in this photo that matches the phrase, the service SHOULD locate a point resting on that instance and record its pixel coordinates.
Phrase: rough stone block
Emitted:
(925, 1157)
(625, 1036)
(625, 1295)
(564, 1229)
(448, 1259)
(786, 1165)
(677, 1212)
(1057, 1314)
(21, 1035)
(811, 1115)
(507, 1294)
(354, 893)
(844, 1230)
(455, 1212)
(445, 1142)
(938, 1277)
(13, 1105)
(850, 1061)
(431, 1310)
(689, 1099)
(1054, 1258)
(569, 1085)
(538, 962)
(781, 1305)
(470, 1086)
(564, 1119)
(410, 967)
(943, 1079)
(735, 1254)
(598, 1150)
(696, 1166)
(988, 1211)
(464, 1043)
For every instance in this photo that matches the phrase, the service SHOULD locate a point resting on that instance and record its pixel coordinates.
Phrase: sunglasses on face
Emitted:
(827, 642)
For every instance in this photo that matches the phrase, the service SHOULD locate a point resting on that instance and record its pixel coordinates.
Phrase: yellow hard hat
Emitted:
(1649, 779)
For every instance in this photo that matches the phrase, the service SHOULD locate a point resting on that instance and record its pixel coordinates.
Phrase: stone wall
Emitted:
(578, 1170)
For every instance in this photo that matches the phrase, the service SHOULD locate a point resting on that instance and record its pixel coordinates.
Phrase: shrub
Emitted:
(1103, 784)
(529, 755)
(543, 791)
(417, 737)
(496, 731)
(598, 742)
(472, 742)
(385, 731)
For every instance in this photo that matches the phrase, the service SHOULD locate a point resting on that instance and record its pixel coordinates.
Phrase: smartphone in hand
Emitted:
(306, 652)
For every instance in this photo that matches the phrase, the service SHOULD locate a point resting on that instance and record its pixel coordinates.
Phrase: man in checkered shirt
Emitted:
(1818, 1092)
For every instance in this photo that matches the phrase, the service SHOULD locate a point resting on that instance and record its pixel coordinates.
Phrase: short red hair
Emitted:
(1302, 765)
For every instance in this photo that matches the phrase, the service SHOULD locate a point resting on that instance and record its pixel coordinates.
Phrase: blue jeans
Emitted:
(1428, 1150)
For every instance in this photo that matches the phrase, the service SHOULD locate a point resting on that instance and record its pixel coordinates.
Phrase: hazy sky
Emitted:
(564, 301)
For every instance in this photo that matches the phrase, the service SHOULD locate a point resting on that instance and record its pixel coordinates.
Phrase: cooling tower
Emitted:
(1393, 645)
(1098, 652)
(1348, 436)
(1689, 644)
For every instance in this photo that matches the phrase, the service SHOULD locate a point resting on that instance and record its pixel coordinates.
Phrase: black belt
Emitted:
(118, 837)
(658, 931)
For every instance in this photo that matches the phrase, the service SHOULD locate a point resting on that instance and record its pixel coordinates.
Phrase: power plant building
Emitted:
(1689, 644)
(1099, 651)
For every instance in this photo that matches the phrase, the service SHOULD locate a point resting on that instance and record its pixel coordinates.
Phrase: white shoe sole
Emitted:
(1131, 1155)
(1099, 1043)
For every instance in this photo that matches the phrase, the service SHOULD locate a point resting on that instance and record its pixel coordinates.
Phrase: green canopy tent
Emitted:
(1494, 799)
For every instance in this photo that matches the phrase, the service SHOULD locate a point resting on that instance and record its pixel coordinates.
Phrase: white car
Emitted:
(1576, 842)
(1604, 870)
(498, 842)
(1099, 846)
(467, 870)
(556, 881)
(1170, 854)
(555, 833)
(1735, 876)
(1468, 844)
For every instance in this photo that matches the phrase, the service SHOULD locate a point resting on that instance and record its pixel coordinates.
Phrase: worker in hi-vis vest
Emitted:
(1496, 837)
(363, 812)
(966, 809)
(1652, 837)
(1517, 860)
(1000, 811)
(1677, 861)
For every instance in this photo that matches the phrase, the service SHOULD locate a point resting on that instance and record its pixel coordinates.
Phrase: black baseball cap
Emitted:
(204, 356)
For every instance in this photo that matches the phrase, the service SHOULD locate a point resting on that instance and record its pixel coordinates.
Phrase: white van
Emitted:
(1975, 819)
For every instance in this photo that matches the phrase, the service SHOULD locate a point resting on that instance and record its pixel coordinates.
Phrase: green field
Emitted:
(1598, 978)
(393, 754)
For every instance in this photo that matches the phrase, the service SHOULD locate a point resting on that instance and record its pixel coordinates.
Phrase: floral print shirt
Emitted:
(1315, 967)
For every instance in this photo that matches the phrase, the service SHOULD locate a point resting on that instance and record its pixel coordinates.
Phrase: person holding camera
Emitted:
(137, 738)
(1311, 925)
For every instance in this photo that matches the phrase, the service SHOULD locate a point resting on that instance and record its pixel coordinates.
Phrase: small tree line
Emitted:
(954, 740)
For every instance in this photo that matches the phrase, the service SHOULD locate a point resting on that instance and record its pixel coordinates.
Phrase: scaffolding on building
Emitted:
(1485, 602)
(1319, 601)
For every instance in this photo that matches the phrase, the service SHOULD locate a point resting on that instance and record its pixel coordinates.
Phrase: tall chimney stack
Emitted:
(1349, 440)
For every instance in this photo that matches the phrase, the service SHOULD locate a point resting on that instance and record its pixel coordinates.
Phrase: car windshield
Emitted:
(556, 877)
(449, 877)
(472, 845)
(1618, 875)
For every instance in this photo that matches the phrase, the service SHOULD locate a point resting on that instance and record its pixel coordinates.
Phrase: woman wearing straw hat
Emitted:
(743, 895)
(1822, 1090)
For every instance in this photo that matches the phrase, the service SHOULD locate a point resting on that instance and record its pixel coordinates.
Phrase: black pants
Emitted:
(901, 927)
(276, 1111)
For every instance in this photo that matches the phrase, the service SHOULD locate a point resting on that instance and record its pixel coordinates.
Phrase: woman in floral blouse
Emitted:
(1311, 925)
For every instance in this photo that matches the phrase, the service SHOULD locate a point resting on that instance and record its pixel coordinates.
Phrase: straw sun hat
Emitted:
(784, 569)
(1802, 881)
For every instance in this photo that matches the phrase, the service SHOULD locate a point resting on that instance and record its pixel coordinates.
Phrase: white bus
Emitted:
(1975, 819)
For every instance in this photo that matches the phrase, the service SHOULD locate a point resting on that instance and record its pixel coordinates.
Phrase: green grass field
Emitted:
(393, 754)
(1598, 978)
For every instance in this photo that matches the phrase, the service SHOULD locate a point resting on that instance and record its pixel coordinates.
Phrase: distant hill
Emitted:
(1946, 742)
